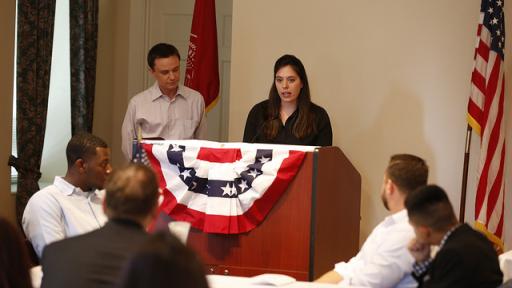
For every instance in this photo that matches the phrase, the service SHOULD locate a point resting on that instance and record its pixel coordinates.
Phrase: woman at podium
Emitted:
(288, 116)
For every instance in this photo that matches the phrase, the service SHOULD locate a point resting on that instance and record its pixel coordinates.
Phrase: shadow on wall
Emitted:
(398, 127)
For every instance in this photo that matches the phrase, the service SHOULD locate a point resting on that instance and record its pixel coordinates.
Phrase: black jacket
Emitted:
(467, 260)
(253, 132)
(94, 259)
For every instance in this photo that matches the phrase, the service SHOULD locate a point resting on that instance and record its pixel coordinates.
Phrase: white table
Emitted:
(221, 281)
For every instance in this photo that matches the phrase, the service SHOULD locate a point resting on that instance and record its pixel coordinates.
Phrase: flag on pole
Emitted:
(485, 116)
(224, 188)
(202, 72)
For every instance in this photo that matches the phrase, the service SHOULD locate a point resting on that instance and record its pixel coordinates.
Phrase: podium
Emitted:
(314, 225)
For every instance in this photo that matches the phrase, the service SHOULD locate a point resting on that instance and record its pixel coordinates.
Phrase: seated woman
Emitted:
(288, 116)
(163, 261)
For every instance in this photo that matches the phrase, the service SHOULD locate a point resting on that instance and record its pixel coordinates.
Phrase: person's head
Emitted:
(162, 260)
(290, 86)
(132, 193)
(14, 260)
(88, 158)
(164, 65)
(404, 173)
(290, 81)
(430, 213)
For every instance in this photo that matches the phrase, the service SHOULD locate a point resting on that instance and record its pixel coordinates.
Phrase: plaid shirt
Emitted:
(419, 268)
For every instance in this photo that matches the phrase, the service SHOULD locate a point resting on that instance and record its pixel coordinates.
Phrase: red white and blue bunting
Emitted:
(222, 187)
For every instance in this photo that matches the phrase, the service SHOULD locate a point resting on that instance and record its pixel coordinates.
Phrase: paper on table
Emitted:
(272, 279)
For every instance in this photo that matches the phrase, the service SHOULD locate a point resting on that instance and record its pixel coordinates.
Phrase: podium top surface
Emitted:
(213, 144)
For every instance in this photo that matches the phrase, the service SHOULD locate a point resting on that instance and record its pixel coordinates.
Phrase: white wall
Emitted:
(394, 76)
(58, 123)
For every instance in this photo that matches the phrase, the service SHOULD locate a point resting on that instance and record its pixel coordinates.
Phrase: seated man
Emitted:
(384, 260)
(95, 259)
(465, 257)
(72, 205)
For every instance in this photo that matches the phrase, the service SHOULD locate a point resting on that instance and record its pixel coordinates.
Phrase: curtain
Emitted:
(34, 57)
(83, 43)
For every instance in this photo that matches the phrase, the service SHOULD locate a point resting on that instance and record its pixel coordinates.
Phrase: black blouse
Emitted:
(254, 133)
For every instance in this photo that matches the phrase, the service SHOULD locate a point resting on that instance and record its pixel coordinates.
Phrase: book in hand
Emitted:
(272, 279)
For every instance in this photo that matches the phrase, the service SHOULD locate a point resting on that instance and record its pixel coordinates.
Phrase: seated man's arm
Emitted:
(330, 277)
(387, 266)
(42, 222)
(336, 275)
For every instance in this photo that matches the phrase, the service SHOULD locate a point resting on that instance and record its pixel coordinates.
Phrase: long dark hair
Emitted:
(305, 124)
(14, 261)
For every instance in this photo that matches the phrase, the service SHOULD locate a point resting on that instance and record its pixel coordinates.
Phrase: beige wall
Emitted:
(106, 79)
(7, 18)
(112, 73)
(120, 67)
(393, 75)
(102, 123)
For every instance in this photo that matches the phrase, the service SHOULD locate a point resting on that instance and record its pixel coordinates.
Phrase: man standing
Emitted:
(72, 205)
(384, 261)
(465, 257)
(167, 109)
(96, 259)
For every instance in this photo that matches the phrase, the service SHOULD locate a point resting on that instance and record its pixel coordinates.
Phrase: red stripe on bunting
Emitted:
(219, 155)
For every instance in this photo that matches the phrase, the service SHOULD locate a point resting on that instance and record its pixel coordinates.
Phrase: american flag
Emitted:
(224, 188)
(485, 116)
(139, 155)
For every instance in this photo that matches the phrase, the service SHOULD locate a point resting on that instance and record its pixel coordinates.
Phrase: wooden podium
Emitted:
(314, 225)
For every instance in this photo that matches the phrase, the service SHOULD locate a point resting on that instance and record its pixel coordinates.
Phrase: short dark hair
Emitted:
(82, 146)
(407, 172)
(162, 258)
(429, 206)
(161, 50)
(131, 192)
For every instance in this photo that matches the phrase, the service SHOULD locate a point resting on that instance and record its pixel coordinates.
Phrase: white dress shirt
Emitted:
(60, 211)
(181, 118)
(384, 260)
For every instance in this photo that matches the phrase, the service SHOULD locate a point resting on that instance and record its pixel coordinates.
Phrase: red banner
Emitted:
(202, 72)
